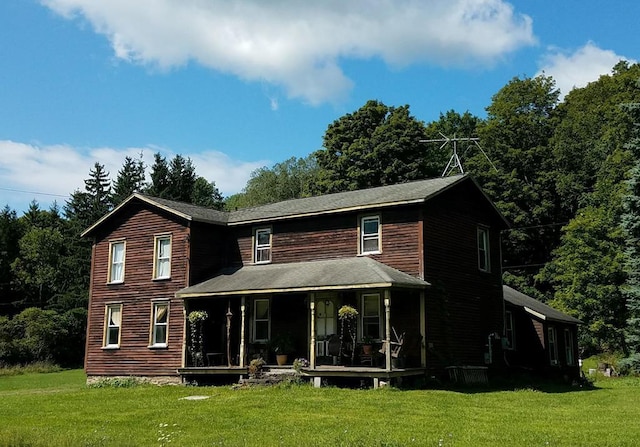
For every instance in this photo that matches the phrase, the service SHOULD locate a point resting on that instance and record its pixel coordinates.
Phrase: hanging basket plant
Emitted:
(196, 341)
(348, 323)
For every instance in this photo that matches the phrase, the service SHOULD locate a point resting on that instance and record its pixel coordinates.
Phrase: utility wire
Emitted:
(35, 192)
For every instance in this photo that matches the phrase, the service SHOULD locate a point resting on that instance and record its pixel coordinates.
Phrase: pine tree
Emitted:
(159, 177)
(131, 178)
(631, 225)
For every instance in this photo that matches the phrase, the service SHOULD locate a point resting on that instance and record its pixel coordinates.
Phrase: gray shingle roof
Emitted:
(344, 273)
(412, 192)
(382, 196)
(530, 304)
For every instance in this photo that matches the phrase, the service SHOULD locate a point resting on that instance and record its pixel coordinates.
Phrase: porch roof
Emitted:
(332, 274)
(535, 307)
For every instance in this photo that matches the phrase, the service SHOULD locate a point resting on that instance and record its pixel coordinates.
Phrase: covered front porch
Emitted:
(265, 311)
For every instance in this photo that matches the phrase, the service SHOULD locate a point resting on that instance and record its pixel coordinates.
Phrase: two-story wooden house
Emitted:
(419, 261)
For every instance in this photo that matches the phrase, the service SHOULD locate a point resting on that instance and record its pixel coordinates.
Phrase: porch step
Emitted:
(269, 377)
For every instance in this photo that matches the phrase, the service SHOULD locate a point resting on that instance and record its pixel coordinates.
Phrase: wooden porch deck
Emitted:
(316, 375)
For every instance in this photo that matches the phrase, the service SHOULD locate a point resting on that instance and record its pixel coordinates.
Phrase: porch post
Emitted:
(184, 334)
(312, 346)
(423, 331)
(387, 316)
(242, 325)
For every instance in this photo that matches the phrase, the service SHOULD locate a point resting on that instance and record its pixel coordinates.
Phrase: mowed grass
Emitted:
(58, 409)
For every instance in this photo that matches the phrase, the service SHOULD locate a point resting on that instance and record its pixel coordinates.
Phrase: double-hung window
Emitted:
(261, 320)
(370, 234)
(483, 249)
(162, 257)
(116, 261)
(509, 330)
(552, 337)
(112, 325)
(568, 346)
(160, 324)
(371, 315)
(262, 243)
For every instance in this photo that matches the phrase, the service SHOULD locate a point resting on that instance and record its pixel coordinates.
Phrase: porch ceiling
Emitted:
(332, 274)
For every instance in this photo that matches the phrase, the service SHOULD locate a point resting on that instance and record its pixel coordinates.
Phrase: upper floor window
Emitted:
(509, 330)
(261, 320)
(262, 252)
(112, 324)
(116, 261)
(568, 346)
(483, 249)
(370, 234)
(553, 345)
(162, 257)
(160, 324)
(371, 316)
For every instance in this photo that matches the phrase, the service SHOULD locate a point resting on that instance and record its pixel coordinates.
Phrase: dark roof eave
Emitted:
(300, 290)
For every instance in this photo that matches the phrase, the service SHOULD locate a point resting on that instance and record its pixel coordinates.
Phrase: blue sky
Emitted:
(243, 84)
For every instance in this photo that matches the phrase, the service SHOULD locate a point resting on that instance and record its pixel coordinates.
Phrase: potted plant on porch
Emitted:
(367, 345)
(282, 346)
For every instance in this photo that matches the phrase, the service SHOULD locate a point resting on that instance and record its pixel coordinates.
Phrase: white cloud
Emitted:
(29, 170)
(299, 45)
(577, 69)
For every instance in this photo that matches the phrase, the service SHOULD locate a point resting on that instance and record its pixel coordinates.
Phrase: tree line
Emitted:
(565, 173)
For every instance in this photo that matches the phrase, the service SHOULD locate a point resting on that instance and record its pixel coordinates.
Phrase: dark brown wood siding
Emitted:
(336, 236)
(137, 226)
(210, 246)
(464, 305)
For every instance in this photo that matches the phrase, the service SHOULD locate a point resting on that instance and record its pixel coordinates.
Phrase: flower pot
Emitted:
(367, 349)
(281, 359)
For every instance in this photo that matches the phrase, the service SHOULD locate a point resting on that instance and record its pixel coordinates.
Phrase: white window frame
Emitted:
(365, 318)
(112, 262)
(509, 330)
(155, 325)
(110, 323)
(158, 260)
(552, 343)
(257, 320)
(364, 237)
(484, 258)
(259, 249)
(568, 346)
(326, 316)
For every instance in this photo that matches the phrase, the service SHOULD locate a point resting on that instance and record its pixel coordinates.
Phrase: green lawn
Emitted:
(58, 409)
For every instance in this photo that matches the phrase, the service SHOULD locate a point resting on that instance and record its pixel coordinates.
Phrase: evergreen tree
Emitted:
(131, 178)
(631, 225)
(182, 179)
(159, 177)
(11, 232)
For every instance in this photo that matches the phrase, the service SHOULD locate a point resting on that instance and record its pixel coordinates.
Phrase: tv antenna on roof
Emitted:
(454, 160)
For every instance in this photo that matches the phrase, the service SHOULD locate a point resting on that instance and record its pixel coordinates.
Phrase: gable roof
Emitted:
(359, 200)
(535, 307)
(331, 274)
(186, 211)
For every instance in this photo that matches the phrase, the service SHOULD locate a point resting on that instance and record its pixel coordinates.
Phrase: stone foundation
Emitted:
(155, 380)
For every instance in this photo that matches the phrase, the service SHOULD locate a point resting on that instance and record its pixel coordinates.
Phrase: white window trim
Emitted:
(156, 255)
(363, 237)
(508, 317)
(154, 324)
(568, 347)
(257, 247)
(107, 318)
(484, 251)
(362, 315)
(256, 320)
(552, 343)
(112, 244)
